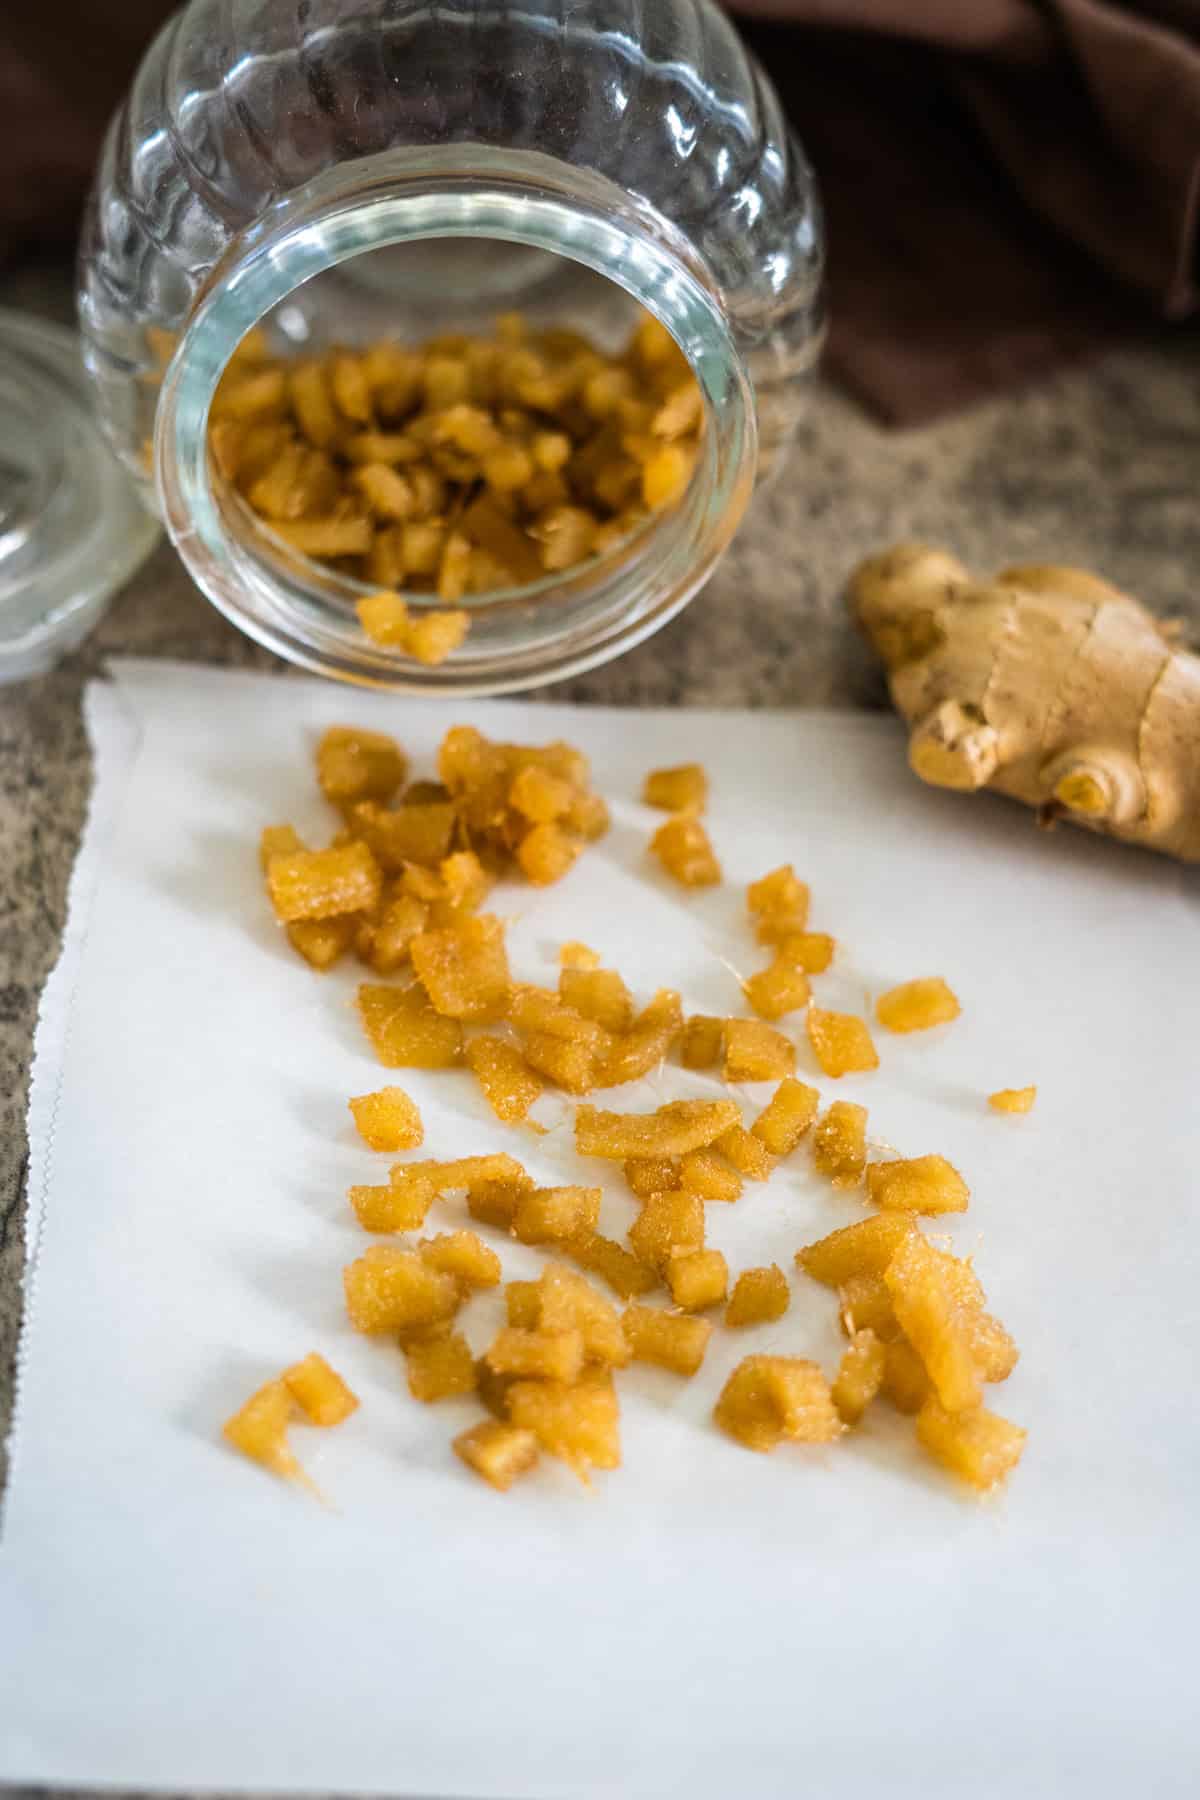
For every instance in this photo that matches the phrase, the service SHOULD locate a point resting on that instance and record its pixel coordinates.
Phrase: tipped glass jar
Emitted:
(342, 173)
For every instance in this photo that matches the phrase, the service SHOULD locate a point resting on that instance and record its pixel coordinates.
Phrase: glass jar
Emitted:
(341, 170)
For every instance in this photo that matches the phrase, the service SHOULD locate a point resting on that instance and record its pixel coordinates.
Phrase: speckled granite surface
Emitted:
(1101, 467)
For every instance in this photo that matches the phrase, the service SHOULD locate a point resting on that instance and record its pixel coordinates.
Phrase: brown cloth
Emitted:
(1009, 183)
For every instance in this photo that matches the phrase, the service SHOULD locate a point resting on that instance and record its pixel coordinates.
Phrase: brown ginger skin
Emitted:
(1046, 684)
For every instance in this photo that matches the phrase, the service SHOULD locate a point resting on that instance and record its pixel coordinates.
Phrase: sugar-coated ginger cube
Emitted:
(684, 849)
(681, 789)
(420, 833)
(1013, 1100)
(697, 1279)
(509, 1085)
(278, 840)
(388, 1119)
(787, 1116)
(353, 764)
(384, 942)
(667, 1224)
(540, 796)
(748, 1154)
(539, 1011)
(933, 1323)
(319, 1391)
(523, 1305)
(495, 1202)
(646, 1175)
(546, 854)
(705, 1173)
(577, 1421)
(672, 1130)
(435, 635)
(780, 989)
(840, 1144)
(602, 1256)
(779, 895)
(811, 951)
(993, 1351)
(841, 1042)
(703, 1042)
(769, 1398)
(865, 1304)
(321, 884)
(974, 1443)
(393, 1208)
(440, 1366)
(557, 1214)
(464, 969)
(259, 1429)
(923, 1184)
(540, 1355)
(755, 1052)
(497, 1451)
(405, 1031)
(865, 1248)
(395, 1290)
(859, 1376)
(570, 1066)
(759, 1297)
(465, 880)
(465, 1256)
(321, 942)
(574, 955)
(647, 1043)
(669, 1340)
(905, 1382)
(599, 995)
(384, 617)
(565, 1299)
(917, 1005)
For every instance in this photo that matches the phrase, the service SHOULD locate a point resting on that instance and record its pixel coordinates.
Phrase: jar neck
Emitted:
(521, 637)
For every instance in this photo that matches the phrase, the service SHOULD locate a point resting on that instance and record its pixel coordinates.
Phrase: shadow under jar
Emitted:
(344, 171)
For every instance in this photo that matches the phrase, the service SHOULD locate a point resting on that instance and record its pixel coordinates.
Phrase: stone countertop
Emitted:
(1097, 467)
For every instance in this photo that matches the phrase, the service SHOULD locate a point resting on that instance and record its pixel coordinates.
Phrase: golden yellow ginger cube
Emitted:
(769, 1398)
(865, 1304)
(465, 879)
(917, 1005)
(388, 1119)
(420, 832)
(859, 1376)
(993, 1351)
(384, 943)
(396, 1290)
(975, 1444)
(574, 955)
(811, 951)
(499, 1452)
(614, 1264)
(259, 1429)
(647, 1043)
(841, 1042)
(540, 1355)
(703, 1042)
(554, 1215)
(697, 1279)
(681, 789)
(569, 1065)
(322, 941)
(578, 1421)
(1013, 1100)
(840, 1144)
(435, 635)
(778, 990)
(405, 1030)
(684, 849)
(540, 796)
(779, 895)
(464, 969)
(748, 1154)
(353, 764)
(705, 1173)
(598, 994)
(319, 1391)
(565, 1299)
(278, 840)
(669, 1340)
(787, 1116)
(495, 1202)
(540, 1012)
(759, 1297)
(509, 1085)
(440, 1367)
(905, 1383)
(385, 617)
(523, 1306)
(393, 1208)
(933, 1323)
(320, 884)
(667, 1224)
(492, 1389)
(923, 1184)
(862, 1249)
(755, 1052)
(546, 854)
(646, 1175)
(672, 1130)
(465, 1256)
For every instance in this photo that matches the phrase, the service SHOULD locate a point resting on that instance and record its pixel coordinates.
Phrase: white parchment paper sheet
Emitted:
(705, 1622)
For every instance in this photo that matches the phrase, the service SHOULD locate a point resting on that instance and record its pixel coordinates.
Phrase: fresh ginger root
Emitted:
(1045, 684)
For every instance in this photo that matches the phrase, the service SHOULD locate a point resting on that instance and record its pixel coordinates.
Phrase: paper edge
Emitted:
(112, 765)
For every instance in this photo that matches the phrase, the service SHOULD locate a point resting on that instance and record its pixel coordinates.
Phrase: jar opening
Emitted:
(337, 266)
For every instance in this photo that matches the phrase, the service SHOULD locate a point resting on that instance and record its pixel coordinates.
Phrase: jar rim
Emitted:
(523, 637)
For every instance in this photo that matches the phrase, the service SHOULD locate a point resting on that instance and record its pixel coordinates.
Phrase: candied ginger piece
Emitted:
(538, 1011)
(563, 1299)
(353, 764)
(1013, 1100)
(840, 1144)
(755, 1052)
(646, 1175)
(555, 1215)
(779, 895)
(599, 995)
(540, 796)
(646, 1044)
(841, 1042)
(499, 1452)
(571, 1066)
(405, 1030)
(923, 1184)
(865, 1248)
(670, 1340)
(759, 1297)
(384, 617)
(319, 1391)
(419, 832)
(495, 1202)
(974, 1443)
(748, 1154)
(681, 789)
(859, 1376)
(435, 635)
(778, 990)
(917, 1005)
(811, 951)
(396, 1290)
(684, 849)
(464, 969)
(320, 884)
(393, 1208)
(769, 1398)
(278, 840)
(705, 1173)
(697, 1279)
(259, 1429)
(322, 941)
(666, 1225)
(440, 1367)
(864, 1304)
(676, 1128)
(933, 1323)
(703, 1042)
(574, 955)
(546, 854)
(465, 1256)
(388, 1119)
(542, 1355)
(603, 1256)
(787, 1116)
(509, 1085)
(905, 1382)
(576, 1421)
